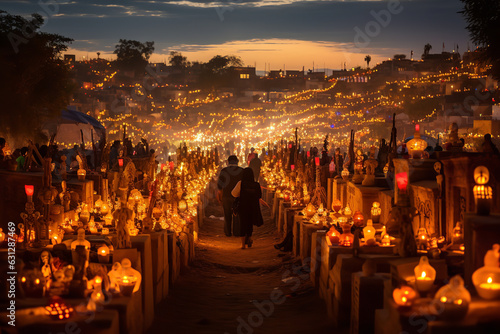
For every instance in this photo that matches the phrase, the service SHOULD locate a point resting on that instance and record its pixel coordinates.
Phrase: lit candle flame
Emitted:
(423, 274)
(489, 280)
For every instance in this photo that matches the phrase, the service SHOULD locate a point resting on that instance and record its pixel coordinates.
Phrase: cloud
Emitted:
(197, 26)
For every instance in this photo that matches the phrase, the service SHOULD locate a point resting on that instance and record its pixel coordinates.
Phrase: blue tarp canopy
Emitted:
(79, 117)
(69, 127)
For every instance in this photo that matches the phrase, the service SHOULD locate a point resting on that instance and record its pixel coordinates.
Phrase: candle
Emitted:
(317, 161)
(369, 231)
(404, 296)
(81, 174)
(293, 167)
(425, 275)
(386, 240)
(120, 162)
(29, 190)
(424, 283)
(334, 236)
(127, 284)
(402, 181)
(489, 290)
(103, 254)
(376, 211)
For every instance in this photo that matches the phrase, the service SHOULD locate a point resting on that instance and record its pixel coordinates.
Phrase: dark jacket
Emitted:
(228, 178)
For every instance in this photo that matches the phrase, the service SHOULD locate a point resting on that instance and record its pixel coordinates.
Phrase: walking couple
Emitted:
(240, 196)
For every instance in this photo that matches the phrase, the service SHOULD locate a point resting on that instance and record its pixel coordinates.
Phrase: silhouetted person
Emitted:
(249, 213)
(113, 154)
(228, 178)
(255, 165)
(488, 145)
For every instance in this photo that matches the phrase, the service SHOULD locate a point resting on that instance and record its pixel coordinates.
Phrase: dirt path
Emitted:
(230, 290)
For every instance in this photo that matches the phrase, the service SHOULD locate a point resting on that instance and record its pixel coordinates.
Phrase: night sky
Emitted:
(282, 33)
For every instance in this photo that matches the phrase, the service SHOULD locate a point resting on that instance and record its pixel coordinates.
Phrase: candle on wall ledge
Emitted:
(376, 211)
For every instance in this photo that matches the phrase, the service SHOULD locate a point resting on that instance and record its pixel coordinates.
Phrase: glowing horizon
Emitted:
(279, 53)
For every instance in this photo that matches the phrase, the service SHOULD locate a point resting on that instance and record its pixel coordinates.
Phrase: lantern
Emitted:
(98, 205)
(334, 236)
(386, 169)
(347, 238)
(345, 174)
(120, 162)
(130, 281)
(404, 296)
(55, 239)
(386, 240)
(108, 219)
(422, 238)
(483, 194)
(105, 208)
(103, 253)
(321, 209)
(85, 214)
(347, 211)
(417, 145)
(458, 237)
(81, 174)
(453, 299)
(2, 235)
(182, 205)
(402, 182)
(57, 309)
(425, 275)
(487, 278)
(310, 210)
(336, 205)
(29, 190)
(376, 211)
(33, 283)
(358, 219)
(369, 231)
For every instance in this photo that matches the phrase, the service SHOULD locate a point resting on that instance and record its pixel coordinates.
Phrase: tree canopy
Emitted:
(36, 84)
(483, 22)
(133, 55)
(176, 59)
(215, 71)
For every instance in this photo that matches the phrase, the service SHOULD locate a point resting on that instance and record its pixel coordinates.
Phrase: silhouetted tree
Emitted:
(36, 84)
(215, 71)
(368, 59)
(400, 57)
(176, 59)
(133, 55)
(427, 49)
(483, 22)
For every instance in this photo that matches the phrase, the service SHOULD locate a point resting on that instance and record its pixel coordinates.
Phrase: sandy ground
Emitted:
(233, 290)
